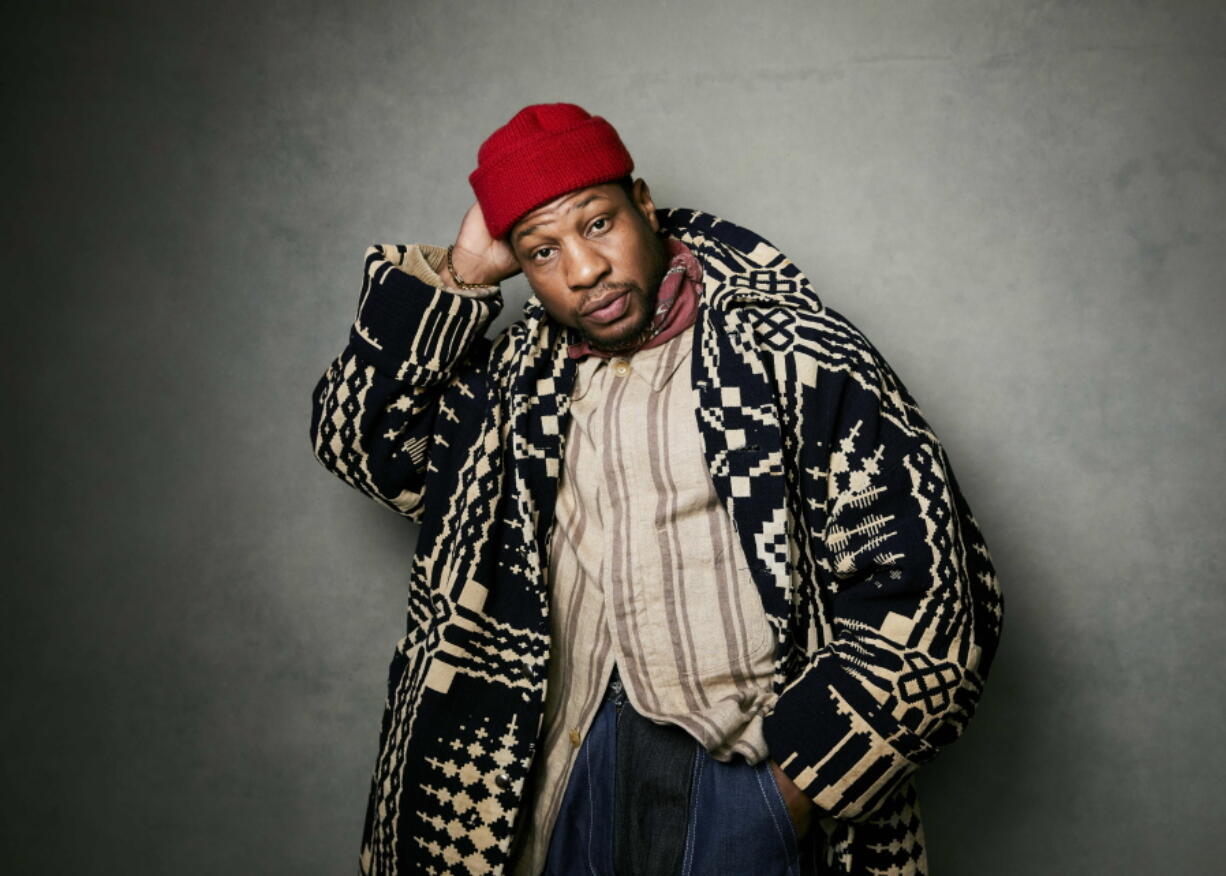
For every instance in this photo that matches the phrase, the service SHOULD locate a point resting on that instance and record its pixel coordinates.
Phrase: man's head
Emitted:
(555, 183)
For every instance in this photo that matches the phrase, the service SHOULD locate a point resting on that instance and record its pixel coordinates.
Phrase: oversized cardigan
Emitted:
(870, 566)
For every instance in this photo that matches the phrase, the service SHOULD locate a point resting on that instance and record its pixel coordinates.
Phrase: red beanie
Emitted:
(547, 150)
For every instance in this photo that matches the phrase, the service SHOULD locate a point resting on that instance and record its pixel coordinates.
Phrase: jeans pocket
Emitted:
(766, 776)
(738, 823)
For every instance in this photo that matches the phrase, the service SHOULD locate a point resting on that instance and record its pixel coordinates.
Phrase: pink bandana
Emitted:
(676, 304)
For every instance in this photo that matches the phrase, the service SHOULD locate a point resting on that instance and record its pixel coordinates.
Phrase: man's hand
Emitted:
(800, 807)
(478, 258)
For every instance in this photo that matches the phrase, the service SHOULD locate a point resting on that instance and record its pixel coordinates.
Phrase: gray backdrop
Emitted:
(1019, 202)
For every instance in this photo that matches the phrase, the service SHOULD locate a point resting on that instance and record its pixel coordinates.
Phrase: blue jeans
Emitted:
(645, 799)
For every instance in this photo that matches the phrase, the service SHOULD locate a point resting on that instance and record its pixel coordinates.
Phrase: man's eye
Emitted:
(600, 224)
(542, 254)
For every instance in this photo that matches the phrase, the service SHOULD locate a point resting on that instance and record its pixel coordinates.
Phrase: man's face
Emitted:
(595, 261)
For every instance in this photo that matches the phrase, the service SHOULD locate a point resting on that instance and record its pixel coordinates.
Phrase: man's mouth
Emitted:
(608, 308)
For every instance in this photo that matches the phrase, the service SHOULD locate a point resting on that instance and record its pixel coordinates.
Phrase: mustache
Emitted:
(596, 297)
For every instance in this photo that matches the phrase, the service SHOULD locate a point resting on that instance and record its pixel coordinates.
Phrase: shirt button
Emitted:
(621, 367)
(503, 780)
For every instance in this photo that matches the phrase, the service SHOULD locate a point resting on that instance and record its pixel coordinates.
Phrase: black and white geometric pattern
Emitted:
(869, 563)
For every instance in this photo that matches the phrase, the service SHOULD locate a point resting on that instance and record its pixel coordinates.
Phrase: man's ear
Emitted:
(640, 194)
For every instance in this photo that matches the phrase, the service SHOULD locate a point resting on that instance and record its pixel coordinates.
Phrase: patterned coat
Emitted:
(871, 568)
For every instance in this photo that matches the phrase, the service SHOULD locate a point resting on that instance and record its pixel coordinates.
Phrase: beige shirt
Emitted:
(646, 571)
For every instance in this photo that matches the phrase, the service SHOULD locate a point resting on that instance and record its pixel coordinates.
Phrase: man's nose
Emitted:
(585, 266)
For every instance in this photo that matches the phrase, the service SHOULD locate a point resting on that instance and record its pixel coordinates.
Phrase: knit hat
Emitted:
(546, 150)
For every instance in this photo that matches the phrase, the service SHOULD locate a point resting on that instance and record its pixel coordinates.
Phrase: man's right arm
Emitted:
(382, 402)
(418, 341)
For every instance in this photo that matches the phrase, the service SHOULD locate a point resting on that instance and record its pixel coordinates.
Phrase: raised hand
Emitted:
(479, 258)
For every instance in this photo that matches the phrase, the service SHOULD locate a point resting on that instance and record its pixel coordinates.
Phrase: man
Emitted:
(695, 590)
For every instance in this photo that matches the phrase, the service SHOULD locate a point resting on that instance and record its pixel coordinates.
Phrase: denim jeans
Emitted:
(645, 799)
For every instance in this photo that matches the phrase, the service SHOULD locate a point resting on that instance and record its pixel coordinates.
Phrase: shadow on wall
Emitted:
(996, 760)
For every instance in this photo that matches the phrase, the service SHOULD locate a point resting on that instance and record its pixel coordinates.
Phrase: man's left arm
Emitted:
(909, 594)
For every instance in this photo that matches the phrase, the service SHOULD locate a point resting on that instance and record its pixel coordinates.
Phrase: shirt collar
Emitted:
(655, 366)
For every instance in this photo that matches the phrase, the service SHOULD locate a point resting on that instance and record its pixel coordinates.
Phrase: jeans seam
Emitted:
(692, 831)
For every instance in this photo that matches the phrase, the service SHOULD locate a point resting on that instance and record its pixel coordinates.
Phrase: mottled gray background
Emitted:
(1021, 203)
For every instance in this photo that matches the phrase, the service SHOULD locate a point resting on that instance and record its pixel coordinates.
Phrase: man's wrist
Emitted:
(466, 271)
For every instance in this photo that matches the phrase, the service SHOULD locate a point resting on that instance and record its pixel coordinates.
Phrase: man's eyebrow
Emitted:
(524, 232)
(593, 196)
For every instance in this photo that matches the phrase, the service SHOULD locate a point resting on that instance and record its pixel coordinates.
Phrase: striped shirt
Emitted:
(645, 572)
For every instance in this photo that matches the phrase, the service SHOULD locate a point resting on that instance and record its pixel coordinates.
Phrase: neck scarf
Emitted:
(676, 304)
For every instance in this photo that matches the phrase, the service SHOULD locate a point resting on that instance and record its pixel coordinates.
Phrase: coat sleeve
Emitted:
(904, 590)
(416, 353)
